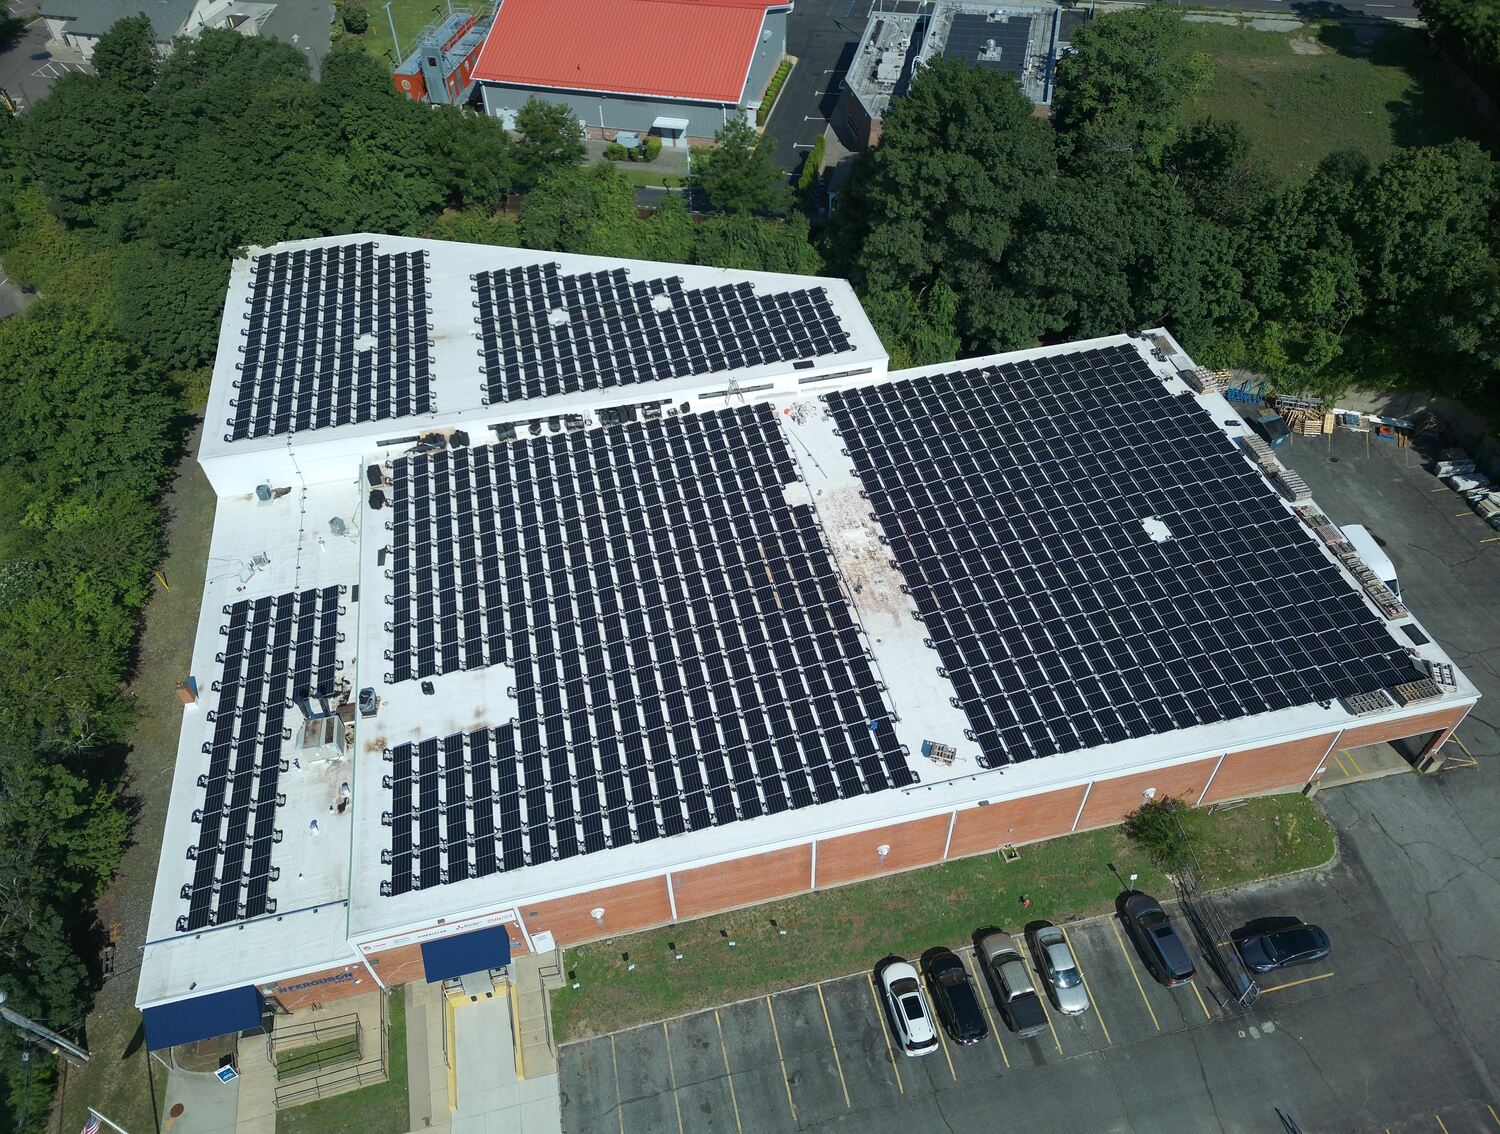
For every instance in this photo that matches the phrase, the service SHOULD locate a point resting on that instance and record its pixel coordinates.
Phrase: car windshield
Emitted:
(904, 987)
(1068, 978)
(912, 1007)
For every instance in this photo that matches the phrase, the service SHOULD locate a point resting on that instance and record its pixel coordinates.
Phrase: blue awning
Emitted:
(448, 958)
(202, 1017)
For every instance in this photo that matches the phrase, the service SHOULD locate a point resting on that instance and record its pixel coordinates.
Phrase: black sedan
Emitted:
(953, 996)
(1278, 943)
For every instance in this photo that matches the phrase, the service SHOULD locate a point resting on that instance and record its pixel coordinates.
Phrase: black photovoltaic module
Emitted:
(1013, 498)
(683, 653)
(277, 650)
(332, 336)
(542, 332)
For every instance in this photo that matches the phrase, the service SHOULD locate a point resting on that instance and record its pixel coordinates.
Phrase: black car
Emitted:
(954, 997)
(1288, 941)
(1156, 939)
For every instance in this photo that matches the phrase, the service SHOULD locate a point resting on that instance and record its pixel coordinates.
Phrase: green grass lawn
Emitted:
(410, 17)
(847, 929)
(649, 175)
(1328, 87)
(378, 1109)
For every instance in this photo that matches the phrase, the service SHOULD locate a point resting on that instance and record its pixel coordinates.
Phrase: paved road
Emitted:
(1432, 846)
(27, 68)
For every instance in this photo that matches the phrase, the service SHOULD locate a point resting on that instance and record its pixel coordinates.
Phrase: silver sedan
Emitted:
(1058, 970)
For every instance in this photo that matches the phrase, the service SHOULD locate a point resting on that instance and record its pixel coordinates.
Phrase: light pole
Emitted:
(395, 46)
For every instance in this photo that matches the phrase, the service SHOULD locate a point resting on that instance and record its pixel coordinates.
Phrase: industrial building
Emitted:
(78, 24)
(1022, 41)
(553, 597)
(678, 69)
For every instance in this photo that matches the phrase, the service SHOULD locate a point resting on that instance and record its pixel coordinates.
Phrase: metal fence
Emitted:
(343, 1078)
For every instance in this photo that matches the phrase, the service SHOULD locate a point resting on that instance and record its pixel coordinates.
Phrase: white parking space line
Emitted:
(886, 1032)
(1135, 976)
(1092, 1000)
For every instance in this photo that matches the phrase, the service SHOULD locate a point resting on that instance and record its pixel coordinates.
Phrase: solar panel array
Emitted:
(332, 336)
(683, 653)
(277, 650)
(544, 333)
(1013, 498)
(970, 35)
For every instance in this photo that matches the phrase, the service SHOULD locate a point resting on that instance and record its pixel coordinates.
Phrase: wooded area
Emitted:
(977, 227)
(974, 227)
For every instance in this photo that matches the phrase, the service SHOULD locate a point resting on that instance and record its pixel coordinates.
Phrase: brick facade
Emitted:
(848, 858)
(324, 987)
(1395, 730)
(1111, 800)
(629, 906)
(742, 881)
(1262, 770)
(1026, 820)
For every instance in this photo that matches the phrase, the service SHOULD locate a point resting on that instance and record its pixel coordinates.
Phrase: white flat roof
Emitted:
(327, 891)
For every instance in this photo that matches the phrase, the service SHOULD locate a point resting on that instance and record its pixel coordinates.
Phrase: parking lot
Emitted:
(1318, 1046)
(1395, 1034)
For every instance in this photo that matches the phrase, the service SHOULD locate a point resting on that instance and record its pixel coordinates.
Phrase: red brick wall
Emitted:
(1026, 820)
(1111, 800)
(632, 905)
(1261, 770)
(338, 983)
(742, 881)
(1395, 730)
(849, 858)
(400, 965)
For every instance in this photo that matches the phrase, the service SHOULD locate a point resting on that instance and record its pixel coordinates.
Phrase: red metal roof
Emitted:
(689, 49)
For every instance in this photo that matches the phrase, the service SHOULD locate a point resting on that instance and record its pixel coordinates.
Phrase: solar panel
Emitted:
(278, 650)
(1015, 500)
(997, 44)
(646, 582)
(542, 332)
(332, 336)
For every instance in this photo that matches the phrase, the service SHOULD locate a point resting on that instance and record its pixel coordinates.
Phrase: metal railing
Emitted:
(366, 1073)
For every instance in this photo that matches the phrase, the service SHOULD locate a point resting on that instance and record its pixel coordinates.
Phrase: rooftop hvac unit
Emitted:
(943, 754)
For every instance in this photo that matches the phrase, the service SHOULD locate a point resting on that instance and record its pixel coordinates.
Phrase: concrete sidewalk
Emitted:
(208, 1106)
(491, 1099)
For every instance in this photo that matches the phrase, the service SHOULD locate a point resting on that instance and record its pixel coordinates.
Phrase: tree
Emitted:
(1210, 162)
(1120, 92)
(126, 54)
(549, 137)
(750, 244)
(738, 175)
(960, 156)
(471, 157)
(1469, 30)
(170, 304)
(591, 210)
(89, 142)
(1169, 830)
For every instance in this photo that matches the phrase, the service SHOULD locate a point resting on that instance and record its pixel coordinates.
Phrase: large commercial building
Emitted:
(679, 69)
(553, 597)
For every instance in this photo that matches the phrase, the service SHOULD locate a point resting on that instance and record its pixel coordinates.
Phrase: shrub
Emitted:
(812, 168)
(773, 88)
(1168, 830)
(615, 152)
(356, 17)
(651, 148)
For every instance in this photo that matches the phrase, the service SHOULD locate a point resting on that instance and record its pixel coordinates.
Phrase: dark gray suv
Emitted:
(1156, 939)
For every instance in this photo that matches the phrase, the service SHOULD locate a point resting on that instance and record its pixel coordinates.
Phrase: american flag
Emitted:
(92, 1125)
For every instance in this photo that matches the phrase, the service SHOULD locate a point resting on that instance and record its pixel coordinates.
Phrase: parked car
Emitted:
(1058, 970)
(954, 996)
(1278, 943)
(1010, 982)
(907, 1008)
(1157, 940)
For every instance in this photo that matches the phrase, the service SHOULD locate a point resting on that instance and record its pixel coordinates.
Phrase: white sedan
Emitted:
(906, 1006)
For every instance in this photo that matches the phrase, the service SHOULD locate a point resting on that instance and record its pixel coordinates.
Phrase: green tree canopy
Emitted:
(549, 137)
(739, 175)
(590, 210)
(126, 54)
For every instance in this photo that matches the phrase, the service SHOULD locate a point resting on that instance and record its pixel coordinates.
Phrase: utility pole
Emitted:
(45, 1037)
(395, 44)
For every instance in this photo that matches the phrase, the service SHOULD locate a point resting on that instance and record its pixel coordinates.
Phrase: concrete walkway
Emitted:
(208, 1106)
(491, 1100)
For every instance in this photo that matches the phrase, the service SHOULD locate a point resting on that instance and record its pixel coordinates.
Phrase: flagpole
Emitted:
(112, 1125)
